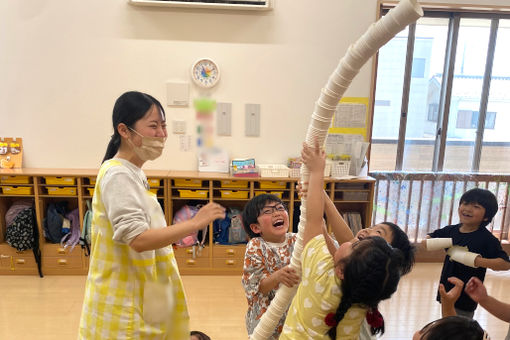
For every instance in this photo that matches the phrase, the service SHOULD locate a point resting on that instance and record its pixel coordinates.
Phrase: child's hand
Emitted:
(476, 290)
(453, 294)
(287, 276)
(314, 158)
(302, 189)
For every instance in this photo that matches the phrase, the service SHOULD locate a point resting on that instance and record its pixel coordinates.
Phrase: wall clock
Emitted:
(205, 73)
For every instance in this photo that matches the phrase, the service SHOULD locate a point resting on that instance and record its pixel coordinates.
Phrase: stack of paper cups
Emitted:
(438, 243)
(329, 97)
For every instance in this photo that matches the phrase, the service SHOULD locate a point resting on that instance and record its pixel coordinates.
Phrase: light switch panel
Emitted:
(224, 119)
(252, 120)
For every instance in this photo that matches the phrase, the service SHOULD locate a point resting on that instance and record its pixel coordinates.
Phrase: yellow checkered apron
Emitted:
(130, 295)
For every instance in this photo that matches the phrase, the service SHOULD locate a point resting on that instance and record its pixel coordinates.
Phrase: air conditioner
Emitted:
(260, 5)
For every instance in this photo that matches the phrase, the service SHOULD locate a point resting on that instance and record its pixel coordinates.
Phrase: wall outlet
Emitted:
(252, 120)
(224, 119)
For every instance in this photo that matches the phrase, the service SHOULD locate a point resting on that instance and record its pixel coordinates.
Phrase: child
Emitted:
(477, 291)
(197, 335)
(337, 287)
(474, 247)
(267, 256)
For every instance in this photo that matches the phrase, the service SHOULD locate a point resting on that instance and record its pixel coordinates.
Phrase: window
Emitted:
(458, 74)
(382, 103)
(433, 110)
(469, 119)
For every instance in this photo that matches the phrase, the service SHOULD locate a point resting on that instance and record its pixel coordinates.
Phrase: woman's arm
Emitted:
(314, 158)
(158, 238)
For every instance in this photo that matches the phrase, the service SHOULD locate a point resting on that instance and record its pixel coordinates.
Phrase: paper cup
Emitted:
(345, 70)
(337, 86)
(329, 97)
(324, 110)
(353, 58)
(438, 243)
(406, 12)
(362, 47)
(320, 124)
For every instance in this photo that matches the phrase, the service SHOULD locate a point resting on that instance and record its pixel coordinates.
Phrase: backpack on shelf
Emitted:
(220, 229)
(22, 232)
(187, 212)
(55, 222)
(85, 231)
(72, 238)
(236, 233)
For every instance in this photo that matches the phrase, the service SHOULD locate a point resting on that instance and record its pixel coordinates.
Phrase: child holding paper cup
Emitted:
(471, 247)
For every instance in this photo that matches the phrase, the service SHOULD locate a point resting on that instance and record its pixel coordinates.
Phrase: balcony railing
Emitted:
(423, 202)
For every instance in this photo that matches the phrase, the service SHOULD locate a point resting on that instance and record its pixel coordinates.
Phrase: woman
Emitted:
(133, 289)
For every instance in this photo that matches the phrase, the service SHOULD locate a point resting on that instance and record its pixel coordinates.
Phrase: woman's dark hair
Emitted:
(453, 328)
(401, 241)
(485, 198)
(371, 274)
(199, 335)
(252, 211)
(129, 108)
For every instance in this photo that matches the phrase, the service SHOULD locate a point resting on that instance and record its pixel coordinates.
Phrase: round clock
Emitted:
(205, 73)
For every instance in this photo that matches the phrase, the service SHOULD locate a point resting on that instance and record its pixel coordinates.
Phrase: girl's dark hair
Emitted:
(129, 108)
(199, 335)
(252, 210)
(485, 198)
(401, 241)
(453, 328)
(371, 274)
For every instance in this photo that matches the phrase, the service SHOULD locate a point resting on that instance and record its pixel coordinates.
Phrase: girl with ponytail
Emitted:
(339, 286)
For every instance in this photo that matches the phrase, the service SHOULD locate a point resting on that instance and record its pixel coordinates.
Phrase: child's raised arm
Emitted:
(314, 158)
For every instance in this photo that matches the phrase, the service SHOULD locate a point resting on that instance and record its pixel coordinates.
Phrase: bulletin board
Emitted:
(351, 117)
(11, 152)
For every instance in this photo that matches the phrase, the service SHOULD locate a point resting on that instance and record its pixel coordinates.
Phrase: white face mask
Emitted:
(151, 148)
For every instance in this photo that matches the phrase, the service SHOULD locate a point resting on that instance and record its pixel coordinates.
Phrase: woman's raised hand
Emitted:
(208, 213)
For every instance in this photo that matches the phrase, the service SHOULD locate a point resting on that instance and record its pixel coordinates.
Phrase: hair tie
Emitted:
(330, 320)
(374, 318)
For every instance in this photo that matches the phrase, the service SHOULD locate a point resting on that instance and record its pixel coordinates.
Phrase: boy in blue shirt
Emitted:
(474, 247)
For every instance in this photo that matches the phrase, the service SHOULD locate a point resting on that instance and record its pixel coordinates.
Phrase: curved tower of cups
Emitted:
(378, 34)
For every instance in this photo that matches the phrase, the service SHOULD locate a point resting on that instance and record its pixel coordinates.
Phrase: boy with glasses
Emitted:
(267, 257)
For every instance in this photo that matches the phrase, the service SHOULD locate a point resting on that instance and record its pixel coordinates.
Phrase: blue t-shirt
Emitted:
(480, 241)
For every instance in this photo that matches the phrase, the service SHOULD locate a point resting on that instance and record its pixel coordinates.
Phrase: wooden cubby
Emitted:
(173, 189)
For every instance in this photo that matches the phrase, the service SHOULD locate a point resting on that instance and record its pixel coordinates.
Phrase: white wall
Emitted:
(63, 64)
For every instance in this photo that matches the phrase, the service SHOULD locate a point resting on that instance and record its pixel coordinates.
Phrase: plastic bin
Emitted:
(154, 191)
(55, 180)
(193, 193)
(154, 182)
(234, 184)
(273, 185)
(15, 179)
(61, 191)
(18, 190)
(91, 191)
(355, 196)
(273, 170)
(184, 182)
(92, 180)
(234, 194)
(340, 168)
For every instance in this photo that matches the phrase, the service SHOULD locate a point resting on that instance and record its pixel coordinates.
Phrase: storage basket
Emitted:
(278, 194)
(61, 191)
(340, 168)
(273, 170)
(154, 182)
(273, 185)
(193, 193)
(154, 191)
(15, 179)
(234, 194)
(92, 180)
(17, 190)
(91, 191)
(295, 172)
(55, 180)
(355, 196)
(184, 182)
(234, 184)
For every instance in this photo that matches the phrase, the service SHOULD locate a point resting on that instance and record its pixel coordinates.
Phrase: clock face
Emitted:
(205, 73)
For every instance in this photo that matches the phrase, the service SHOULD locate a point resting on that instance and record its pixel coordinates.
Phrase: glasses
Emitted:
(271, 209)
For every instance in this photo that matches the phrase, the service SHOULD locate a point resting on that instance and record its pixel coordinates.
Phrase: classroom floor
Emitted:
(49, 308)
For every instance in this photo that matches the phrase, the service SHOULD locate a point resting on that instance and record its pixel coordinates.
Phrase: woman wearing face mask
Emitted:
(133, 289)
